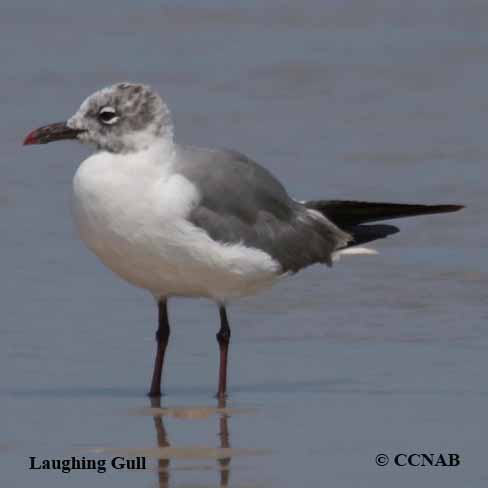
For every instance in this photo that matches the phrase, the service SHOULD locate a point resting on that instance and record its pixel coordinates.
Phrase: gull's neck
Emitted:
(154, 155)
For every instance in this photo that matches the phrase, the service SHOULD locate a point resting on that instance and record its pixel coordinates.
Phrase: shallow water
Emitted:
(382, 101)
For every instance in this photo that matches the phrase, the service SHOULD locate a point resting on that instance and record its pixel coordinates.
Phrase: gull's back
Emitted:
(242, 202)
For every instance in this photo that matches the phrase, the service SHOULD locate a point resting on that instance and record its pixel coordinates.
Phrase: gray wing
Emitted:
(242, 202)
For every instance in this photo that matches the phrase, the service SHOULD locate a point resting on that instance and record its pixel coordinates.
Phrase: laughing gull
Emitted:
(197, 222)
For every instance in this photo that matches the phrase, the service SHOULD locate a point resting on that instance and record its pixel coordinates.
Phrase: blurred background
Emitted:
(367, 100)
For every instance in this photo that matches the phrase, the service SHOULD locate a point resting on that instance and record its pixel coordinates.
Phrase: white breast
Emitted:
(130, 211)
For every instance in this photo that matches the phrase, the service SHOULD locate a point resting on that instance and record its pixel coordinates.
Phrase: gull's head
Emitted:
(121, 118)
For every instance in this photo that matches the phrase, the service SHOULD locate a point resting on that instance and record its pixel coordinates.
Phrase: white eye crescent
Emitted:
(108, 115)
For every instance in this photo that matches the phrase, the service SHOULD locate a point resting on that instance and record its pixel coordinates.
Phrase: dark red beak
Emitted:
(51, 132)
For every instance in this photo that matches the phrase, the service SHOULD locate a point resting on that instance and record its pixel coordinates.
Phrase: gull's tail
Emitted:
(351, 216)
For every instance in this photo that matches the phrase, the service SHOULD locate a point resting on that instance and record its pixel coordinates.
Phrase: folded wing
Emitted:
(241, 202)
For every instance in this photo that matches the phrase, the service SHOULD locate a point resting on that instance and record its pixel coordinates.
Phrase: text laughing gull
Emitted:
(183, 221)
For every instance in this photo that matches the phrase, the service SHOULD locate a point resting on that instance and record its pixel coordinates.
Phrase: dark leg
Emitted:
(162, 336)
(223, 338)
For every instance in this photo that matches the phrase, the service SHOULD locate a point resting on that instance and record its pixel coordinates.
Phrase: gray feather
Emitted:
(242, 202)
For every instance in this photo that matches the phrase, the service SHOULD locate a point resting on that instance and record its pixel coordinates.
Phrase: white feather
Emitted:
(354, 251)
(130, 210)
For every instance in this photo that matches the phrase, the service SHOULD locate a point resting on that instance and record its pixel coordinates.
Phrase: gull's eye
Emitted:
(108, 116)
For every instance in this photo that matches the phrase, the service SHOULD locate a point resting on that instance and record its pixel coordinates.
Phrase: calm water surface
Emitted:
(387, 354)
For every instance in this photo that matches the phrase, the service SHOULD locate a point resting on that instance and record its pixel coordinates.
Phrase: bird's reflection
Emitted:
(223, 463)
(224, 443)
(162, 440)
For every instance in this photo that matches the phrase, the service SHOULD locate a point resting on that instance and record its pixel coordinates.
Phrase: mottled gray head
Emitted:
(122, 118)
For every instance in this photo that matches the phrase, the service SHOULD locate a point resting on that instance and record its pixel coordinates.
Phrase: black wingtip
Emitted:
(450, 208)
(347, 212)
